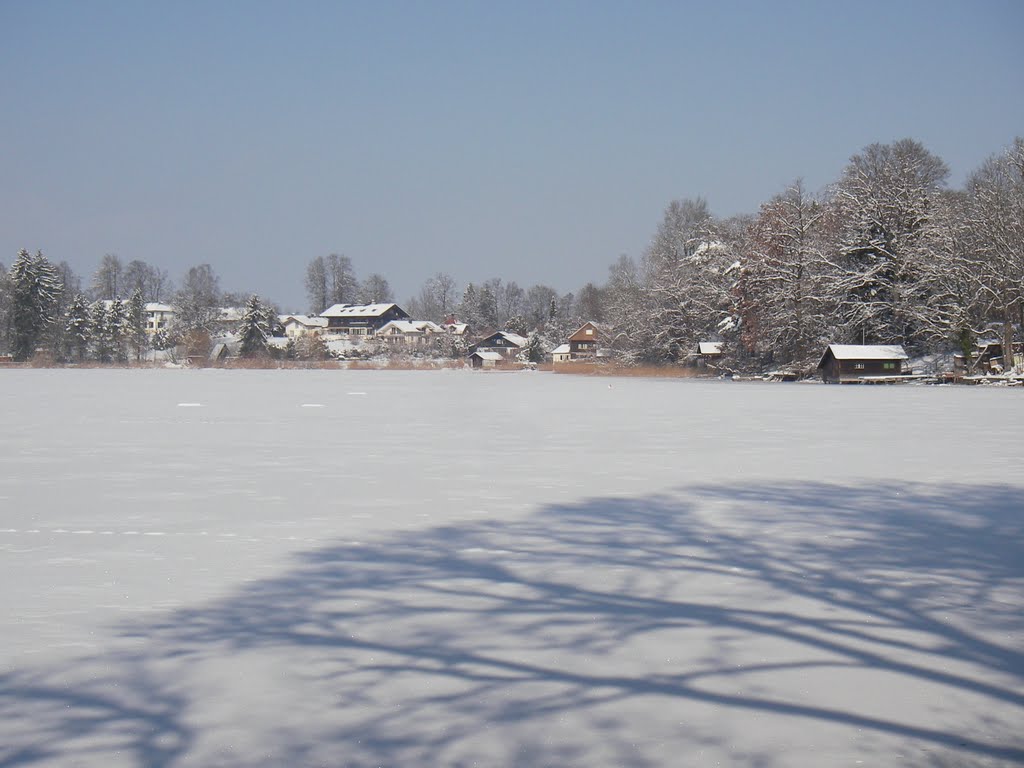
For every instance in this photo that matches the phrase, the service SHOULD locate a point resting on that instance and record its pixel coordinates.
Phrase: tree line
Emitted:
(886, 254)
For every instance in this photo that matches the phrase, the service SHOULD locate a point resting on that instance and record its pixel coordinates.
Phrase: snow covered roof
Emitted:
(561, 349)
(156, 306)
(485, 354)
(456, 328)
(865, 352)
(410, 326)
(514, 338)
(709, 347)
(306, 320)
(356, 310)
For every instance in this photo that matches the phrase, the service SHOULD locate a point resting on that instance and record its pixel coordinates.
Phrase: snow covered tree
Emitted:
(539, 302)
(534, 351)
(100, 332)
(118, 330)
(5, 309)
(436, 300)
(682, 267)
(198, 300)
(35, 293)
(487, 305)
(135, 322)
(885, 203)
(77, 329)
(254, 329)
(995, 221)
(785, 278)
(630, 333)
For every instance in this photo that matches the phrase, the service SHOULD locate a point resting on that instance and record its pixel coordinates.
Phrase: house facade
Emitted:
(361, 319)
(408, 333)
(585, 342)
(856, 362)
(159, 317)
(505, 343)
(296, 326)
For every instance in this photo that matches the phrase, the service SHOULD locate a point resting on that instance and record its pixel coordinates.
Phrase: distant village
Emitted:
(887, 275)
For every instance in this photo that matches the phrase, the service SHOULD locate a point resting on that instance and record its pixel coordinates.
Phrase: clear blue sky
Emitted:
(533, 141)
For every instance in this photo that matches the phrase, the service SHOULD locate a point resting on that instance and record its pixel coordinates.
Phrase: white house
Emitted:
(408, 332)
(296, 326)
(159, 317)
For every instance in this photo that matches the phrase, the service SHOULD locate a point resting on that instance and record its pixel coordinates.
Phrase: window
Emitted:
(858, 366)
(889, 366)
(590, 331)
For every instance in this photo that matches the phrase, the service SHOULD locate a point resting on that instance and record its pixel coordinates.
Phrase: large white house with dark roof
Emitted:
(361, 319)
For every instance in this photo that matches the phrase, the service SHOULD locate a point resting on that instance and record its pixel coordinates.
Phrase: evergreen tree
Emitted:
(99, 326)
(254, 329)
(5, 310)
(35, 292)
(117, 326)
(534, 351)
(77, 329)
(136, 323)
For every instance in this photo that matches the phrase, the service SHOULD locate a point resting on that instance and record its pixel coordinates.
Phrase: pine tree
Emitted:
(534, 351)
(136, 323)
(77, 329)
(35, 292)
(99, 327)
(117, 326)
(254, 329)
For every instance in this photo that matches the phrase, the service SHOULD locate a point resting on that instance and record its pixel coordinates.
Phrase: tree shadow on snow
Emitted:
(575, 636)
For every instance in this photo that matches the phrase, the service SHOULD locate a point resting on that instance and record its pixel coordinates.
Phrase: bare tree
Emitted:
(106, 281)
(375, 289)
(316, 285)
(342, 285)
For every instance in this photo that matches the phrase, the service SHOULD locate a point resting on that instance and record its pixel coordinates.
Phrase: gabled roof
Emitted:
(306, 320)
(357, 310)
(864, 352)
(410, 326)
(580, 334)
(484, 354)
(512, 338)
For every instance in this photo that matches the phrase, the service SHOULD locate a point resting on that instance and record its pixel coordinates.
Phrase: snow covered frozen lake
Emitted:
(446, 568)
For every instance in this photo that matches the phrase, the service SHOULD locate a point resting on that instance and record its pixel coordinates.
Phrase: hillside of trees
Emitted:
(887, 254)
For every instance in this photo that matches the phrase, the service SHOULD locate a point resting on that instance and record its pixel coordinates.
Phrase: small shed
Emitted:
(561, 354)
(484, 358)
(857, 362)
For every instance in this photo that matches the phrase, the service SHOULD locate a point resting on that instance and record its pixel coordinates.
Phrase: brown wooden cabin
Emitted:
(855, 362)
(584, 342)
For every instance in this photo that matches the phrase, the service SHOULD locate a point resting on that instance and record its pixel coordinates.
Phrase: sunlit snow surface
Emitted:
(453, 568)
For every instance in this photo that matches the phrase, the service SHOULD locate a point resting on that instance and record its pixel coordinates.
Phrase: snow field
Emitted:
(451, 568)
